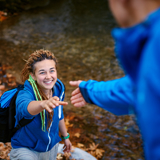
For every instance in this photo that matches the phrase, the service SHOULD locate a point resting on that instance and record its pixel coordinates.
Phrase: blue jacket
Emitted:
(138, 51)
(31, 135)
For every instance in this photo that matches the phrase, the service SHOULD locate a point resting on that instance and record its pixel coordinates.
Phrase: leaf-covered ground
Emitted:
(122, 140)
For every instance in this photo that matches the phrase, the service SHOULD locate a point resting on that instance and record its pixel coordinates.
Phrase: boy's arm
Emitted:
(116, 96)
(67, 146)
(35, 107)
(62, 128)
(27, 107)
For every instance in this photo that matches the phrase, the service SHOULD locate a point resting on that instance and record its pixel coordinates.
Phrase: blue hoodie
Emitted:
(31, 135)
(138, 51)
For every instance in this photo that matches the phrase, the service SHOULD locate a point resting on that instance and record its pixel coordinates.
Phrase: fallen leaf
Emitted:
(67, 155)
(59, 156)
(2, 18)
(99, 153)
(77, 135)
(80, 145)
(93, 146)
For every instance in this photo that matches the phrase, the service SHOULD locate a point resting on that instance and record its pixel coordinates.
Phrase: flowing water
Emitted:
(79, 34)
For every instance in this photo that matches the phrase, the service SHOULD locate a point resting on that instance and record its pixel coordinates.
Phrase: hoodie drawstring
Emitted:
(36, 91)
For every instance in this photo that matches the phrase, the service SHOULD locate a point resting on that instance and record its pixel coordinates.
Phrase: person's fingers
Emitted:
(76, 91)
(76, 96)
(54, 102)
(62, 103)
(75, 83)
(57, 103)
(80, 99)
(47, 108)
(64, 148)
(55, 98)
(51, 105)
(48, 105)
(70, 147)
(67, 147)
(80, 104)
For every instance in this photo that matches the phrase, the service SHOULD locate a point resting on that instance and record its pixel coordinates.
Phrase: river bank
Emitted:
(79, 34)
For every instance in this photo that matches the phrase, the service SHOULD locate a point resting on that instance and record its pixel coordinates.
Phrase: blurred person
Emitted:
(137, 46)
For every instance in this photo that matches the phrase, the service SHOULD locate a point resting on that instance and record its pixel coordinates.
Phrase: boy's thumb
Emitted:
(75, 83)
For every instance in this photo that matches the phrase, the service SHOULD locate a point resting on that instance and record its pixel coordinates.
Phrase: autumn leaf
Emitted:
(8, 145)
(67, 123)
(99, 153)
(67, 155)
(80, 145)
(59, 156)
(93, 146)
(93, 153)
(2, 18)
(1, 146)
(77, 135)
(6, 67)
(70, 117)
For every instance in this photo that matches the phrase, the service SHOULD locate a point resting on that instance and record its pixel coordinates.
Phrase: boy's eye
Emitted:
(42, 72)
(52, 71)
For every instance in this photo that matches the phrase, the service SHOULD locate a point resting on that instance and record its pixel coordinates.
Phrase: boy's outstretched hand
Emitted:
(76, 97)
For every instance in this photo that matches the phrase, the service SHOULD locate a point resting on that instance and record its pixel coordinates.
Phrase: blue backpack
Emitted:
(7, 114)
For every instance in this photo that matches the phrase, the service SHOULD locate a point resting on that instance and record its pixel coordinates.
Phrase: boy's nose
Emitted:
(48, 75)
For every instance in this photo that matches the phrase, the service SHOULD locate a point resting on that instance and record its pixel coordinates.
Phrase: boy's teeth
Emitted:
(48, 82)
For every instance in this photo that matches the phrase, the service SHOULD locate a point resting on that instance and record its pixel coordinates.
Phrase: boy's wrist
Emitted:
(65, 137)
(41, 104)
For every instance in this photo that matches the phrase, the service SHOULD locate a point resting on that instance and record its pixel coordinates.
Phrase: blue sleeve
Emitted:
(115, 96)
(22, 101)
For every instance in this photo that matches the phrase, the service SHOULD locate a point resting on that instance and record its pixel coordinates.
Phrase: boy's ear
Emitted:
(33, 76)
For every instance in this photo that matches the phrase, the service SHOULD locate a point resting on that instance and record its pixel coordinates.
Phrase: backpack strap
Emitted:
(12, 108)
(23, 122)
(12, 112)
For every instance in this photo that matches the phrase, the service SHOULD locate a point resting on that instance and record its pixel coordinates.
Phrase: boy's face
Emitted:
(120, 12)
(45, 74)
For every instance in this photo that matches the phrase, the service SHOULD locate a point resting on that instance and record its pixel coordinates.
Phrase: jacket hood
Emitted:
(129, 43)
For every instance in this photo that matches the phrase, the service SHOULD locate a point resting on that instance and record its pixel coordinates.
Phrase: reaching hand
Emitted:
(52, 103)
(77, 99)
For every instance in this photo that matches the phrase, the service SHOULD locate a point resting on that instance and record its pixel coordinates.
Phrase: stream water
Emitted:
(79, 34)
